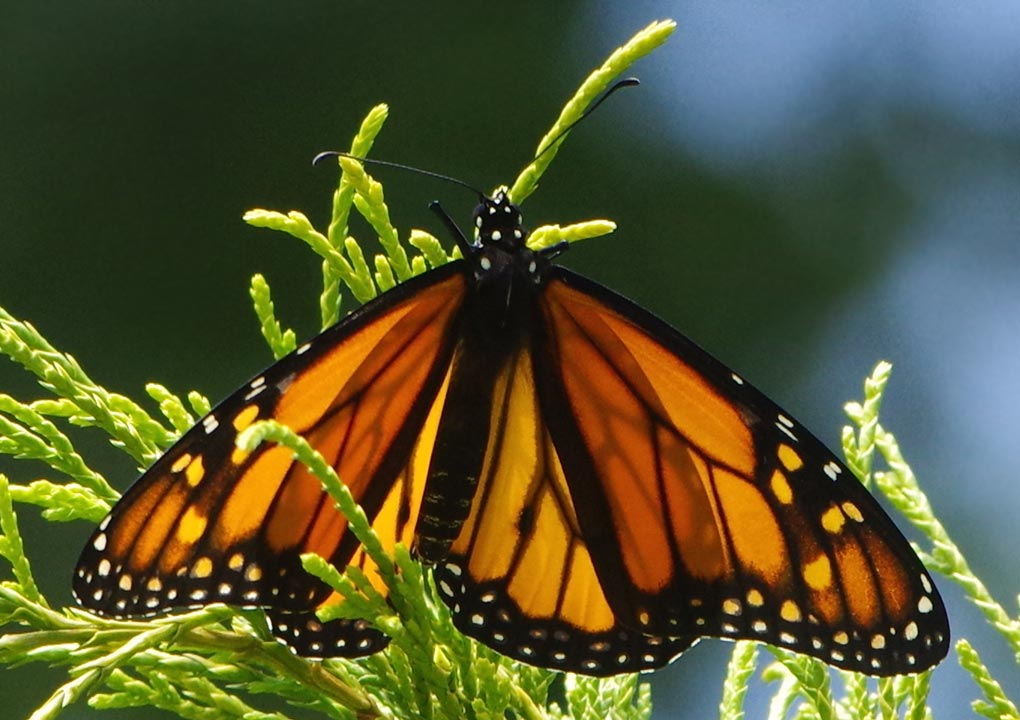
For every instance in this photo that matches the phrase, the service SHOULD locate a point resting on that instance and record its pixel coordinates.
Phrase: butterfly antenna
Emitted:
(626, 82)
(458, 234)
(399, 166)
(618, 85)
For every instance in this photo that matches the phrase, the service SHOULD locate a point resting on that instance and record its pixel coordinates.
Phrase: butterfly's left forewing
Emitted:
(711, 512)
(209, 522)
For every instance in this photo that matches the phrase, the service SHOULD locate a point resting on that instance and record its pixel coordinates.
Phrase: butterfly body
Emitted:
(593, 490)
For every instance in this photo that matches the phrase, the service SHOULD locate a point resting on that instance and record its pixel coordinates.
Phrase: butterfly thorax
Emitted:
(507, 274)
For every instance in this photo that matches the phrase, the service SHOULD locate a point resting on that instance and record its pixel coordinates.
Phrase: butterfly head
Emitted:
(498, 222)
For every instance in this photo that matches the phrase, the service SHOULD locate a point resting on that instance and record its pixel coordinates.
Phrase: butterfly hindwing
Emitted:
(727, 517)
(519, 577)
(211, 523)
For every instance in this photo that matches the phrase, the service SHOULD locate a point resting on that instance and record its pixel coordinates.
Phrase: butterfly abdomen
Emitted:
(494, 325)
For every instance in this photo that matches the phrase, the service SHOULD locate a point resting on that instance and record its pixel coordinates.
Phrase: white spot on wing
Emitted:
(254, 392)
(786, 431)
(910, 631)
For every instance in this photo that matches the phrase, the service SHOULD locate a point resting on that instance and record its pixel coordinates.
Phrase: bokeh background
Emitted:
(803, 188)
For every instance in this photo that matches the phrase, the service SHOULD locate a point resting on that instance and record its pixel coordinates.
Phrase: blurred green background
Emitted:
(804, 190)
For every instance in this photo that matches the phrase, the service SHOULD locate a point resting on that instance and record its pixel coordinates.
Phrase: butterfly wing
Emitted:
(520, 575)
(211, 523)
(706, 510)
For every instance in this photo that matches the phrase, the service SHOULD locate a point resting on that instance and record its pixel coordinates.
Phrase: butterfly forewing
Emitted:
(211, 523)
(729, 518)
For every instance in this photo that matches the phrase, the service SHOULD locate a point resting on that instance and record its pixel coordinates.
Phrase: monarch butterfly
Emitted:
(593, 491)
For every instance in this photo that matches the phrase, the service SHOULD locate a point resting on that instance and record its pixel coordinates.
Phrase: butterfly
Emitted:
(593, 491)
